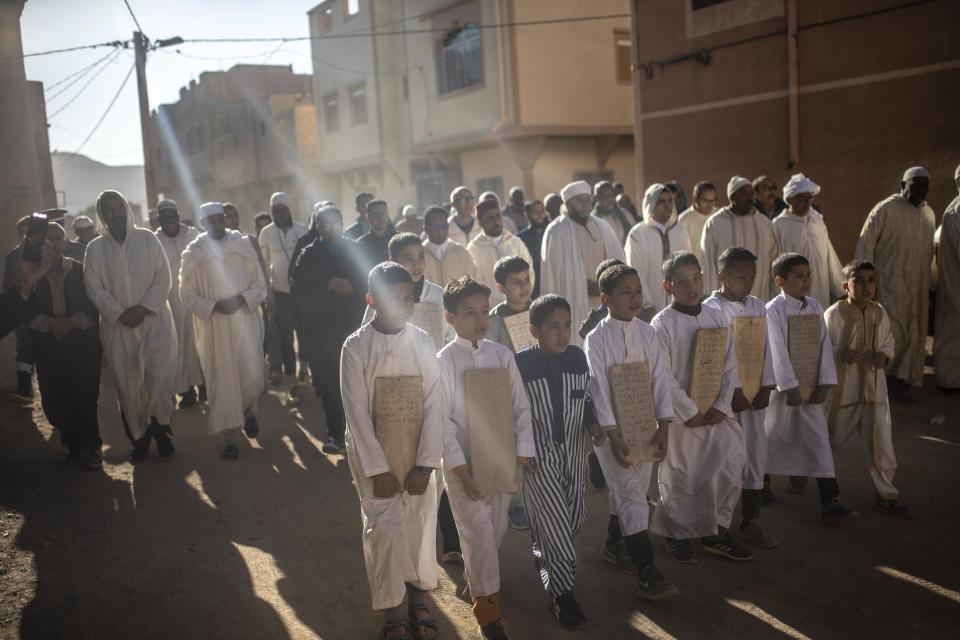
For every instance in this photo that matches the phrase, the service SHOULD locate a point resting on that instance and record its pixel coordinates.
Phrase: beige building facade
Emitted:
(433, 101)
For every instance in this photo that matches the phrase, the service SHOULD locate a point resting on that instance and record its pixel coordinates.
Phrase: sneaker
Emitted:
(798, 485)
(293, 396)
(767, 499)
(726, 545)
(91, 461)
(654, 586)
(680, 550)
(617, 554)
(567, 611)
(835, 511)
(451, 556)
(892, 508)
(493, 631)
(754, 534)
(188, 399)
(518, 519)
(596, 472)
(251, 427)
(230, 452)
(73, 459)
(334, 446)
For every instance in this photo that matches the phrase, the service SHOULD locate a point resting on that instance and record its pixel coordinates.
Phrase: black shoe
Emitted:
(835, 511)
(24, 384)
(334, 446)
(251, 427)
(73, 459)
(680, 550)
(892, 508)
(141, 447)
(618, 554)
(798, 485)
(567, 611)
(162, 435)
(493, 631)
(91, 461)
(596, 472)
(188, 399)
(727, 546)
(767, 499)
(202, 393)
(230, 452)
(654, 586)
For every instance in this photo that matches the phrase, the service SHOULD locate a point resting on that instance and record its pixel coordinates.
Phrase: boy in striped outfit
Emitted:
(555, 375)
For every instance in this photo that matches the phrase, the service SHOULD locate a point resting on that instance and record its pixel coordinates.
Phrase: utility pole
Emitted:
(140, 57)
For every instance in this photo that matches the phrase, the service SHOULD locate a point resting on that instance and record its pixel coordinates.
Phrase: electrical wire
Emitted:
(81, 72)
(84, 87)
(134, 16)
(115, 43)
(113, 55)
(107, 110)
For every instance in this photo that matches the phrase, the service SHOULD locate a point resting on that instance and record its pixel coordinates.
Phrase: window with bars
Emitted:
(460, 59)
(331, 113)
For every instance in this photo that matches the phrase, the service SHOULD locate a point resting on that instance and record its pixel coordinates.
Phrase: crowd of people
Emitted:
(478, 363)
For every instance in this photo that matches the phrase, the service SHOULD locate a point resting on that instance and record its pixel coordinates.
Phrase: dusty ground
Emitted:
(269, 547)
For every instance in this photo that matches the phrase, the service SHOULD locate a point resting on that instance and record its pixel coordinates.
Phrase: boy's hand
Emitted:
(849, 356)
(819, 395)
(739, 402)
(597, 435)
(879, 360)
(695, 421)
(620, 450)
(660, 439)
(762, 401)
(793, 397)
(714, 416)
(385, 485)
(417, 482)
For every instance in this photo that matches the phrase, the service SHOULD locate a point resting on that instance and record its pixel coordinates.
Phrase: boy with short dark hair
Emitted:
(798, 444)
(737, 272)
(399, 531)
(556, 375)
(599, 312)
(622, 339)
(512, 274)
(481, 519)
(863, 342)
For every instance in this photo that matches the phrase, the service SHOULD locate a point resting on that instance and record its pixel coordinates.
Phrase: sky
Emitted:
(56, 24)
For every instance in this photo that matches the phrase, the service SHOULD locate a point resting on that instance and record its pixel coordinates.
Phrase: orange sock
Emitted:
(487, 608)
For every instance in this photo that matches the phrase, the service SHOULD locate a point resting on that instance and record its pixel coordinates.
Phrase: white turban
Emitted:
(208, 209)
(915, 172)
(574, 189)
(799, 183)
(409, 211)
(279, 198)
(82, 222)
(650, 198)
(736, 183)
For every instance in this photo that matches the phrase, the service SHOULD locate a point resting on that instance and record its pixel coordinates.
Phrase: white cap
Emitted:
(574, 189)
(279, 198)
(915, 172)
(82, 222)
(799, 183)
(409, 211)
(736, 183)
(208, 209)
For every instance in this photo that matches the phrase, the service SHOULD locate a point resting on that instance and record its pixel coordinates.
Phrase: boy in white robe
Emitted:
(737, 271)
(481, 519)
(798, 444)
(621, 338)
(863, 342)
(445, 259)
(222, 287)
(128, 279)
(399, 514)
(702, 473)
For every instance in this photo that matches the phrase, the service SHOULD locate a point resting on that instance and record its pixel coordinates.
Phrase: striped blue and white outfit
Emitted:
(560, 407)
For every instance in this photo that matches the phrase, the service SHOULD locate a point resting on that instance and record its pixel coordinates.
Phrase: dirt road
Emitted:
(269, 547)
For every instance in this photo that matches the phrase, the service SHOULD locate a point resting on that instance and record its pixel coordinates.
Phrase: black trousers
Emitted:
(448, 526)
(282, 356)
(69, 382)
(325, 365)
(25, 359)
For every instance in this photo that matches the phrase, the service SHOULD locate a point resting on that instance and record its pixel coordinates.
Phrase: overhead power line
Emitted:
(133, 15)
(103, 62)
(82, 89)
(107, 110)
(82, 72)
(115, 43)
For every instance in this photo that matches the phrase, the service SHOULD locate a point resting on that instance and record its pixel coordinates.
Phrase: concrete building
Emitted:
(411, 116)
(851, 93)
(26, 181)
(238, 136)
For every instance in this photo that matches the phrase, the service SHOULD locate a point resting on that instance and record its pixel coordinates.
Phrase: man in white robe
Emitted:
(651, 241)
(573, 246)
(174, 237)
(801, 229)
(897, 238)
(493, 243)
(740, 225)
(128, 279)
(695, 216)
(399, 514)
(946, 344)
(463, 222)
(222, 286)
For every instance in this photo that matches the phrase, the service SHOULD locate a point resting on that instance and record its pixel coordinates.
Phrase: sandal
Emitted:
(424, 627)
(390, 626)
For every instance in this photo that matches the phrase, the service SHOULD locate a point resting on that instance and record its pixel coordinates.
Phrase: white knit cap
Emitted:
(578, 188)
(736, 183)
(208, 209)
(799, 183)
(279, 198)
(916, 172)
